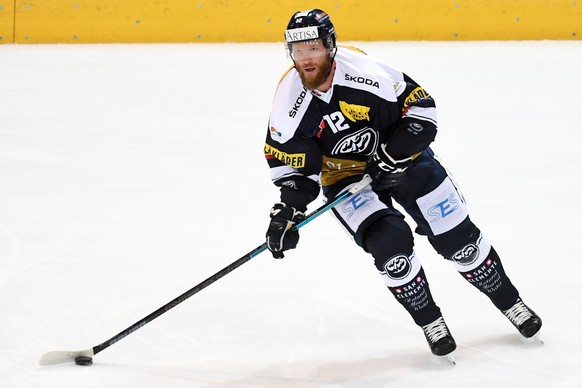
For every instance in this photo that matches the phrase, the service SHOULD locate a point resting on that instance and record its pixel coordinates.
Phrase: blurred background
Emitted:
(165, 21)
(130, 172)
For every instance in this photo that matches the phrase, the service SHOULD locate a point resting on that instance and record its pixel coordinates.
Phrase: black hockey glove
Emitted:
(280, 237)
(385, 171)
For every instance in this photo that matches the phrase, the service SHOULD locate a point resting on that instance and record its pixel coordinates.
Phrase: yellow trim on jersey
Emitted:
(285, 74)
(334, 169)
(293, 66)
(353, 48)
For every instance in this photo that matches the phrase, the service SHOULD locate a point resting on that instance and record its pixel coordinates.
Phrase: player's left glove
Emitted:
(386, 171)
(280, 237)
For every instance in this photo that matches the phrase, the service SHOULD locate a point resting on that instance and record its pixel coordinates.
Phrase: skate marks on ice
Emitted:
(509, 351)
(393, 370)
(11, 250)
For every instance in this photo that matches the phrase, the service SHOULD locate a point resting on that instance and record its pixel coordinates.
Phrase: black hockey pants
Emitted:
(431, 198)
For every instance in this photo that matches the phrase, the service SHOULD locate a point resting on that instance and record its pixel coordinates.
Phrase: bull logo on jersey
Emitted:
(355, 112)
(362, 142)
(398, 267)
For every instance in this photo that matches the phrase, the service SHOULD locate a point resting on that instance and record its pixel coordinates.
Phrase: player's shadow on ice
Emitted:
(389, 369)
(307, 373)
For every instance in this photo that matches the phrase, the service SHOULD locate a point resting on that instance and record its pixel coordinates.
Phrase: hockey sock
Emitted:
(476, 260)
(416, 298)
(488, 276)
(390, 242)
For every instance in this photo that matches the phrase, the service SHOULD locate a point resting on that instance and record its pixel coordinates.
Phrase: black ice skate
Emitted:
(524, 319)
(439, 338)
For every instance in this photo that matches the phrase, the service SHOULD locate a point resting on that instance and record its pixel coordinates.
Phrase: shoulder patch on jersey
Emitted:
(399, 87)
(416, 95)
(274, 132)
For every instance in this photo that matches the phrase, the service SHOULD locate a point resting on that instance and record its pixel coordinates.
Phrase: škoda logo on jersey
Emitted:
(298, 102)
(291, 160)
(362, 80)
(355, 112)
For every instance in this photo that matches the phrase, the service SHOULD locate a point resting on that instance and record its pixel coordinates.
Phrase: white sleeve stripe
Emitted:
(427, 114)
(287, 172)
(282, 172)
(422, 118)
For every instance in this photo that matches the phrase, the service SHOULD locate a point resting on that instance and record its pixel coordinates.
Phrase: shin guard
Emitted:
(405, 278)
(480, 265)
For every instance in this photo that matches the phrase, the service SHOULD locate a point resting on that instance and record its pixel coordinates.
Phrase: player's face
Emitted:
(312, 61)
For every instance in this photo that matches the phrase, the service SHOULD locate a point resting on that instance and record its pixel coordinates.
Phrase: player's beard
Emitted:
(311, 80)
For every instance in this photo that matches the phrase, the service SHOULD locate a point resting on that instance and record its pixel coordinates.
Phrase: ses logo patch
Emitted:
(291, 160)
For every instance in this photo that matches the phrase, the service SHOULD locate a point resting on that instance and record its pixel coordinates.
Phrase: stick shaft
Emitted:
(226, 270)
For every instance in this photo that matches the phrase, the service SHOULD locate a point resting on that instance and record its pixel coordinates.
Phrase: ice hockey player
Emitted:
(339, 114)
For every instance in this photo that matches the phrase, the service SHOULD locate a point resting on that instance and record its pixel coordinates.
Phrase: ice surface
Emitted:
(130, 173)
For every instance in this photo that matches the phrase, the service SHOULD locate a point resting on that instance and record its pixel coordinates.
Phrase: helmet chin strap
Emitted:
(333, 57)
(331, 62)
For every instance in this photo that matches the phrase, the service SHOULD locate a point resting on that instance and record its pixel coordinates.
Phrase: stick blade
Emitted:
(62, 356)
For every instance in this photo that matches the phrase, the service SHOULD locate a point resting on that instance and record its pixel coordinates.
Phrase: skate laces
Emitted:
(436, 330)
(518, 313)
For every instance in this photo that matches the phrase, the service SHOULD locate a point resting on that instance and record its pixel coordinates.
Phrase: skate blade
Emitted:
(448, 360)
(537, 338)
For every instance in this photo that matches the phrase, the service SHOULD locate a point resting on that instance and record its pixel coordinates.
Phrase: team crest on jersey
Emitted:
(355, 112)
(362, 142)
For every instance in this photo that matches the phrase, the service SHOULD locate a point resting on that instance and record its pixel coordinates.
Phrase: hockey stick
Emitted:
(83, 357)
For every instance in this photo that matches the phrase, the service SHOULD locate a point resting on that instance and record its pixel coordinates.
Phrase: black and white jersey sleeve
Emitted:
(417, 126)
(293, 156)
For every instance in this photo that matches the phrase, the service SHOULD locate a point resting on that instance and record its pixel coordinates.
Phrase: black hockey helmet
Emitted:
(308, 25)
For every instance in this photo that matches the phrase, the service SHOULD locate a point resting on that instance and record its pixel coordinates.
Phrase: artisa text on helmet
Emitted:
(299, 34)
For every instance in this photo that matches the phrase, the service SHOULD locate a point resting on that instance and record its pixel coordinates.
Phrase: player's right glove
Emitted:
(384, 170)
(280, 237)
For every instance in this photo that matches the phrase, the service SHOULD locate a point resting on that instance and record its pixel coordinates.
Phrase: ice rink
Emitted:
(131, 173)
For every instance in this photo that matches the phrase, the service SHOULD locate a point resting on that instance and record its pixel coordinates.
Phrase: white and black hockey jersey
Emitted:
(326, 138)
